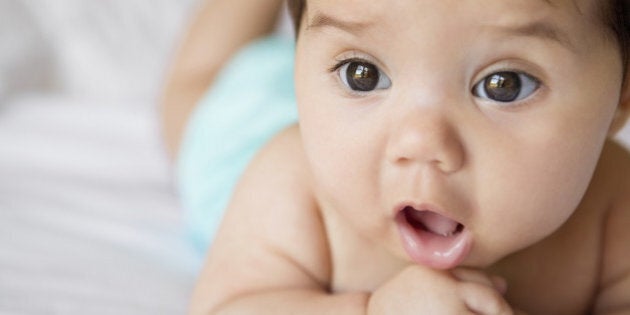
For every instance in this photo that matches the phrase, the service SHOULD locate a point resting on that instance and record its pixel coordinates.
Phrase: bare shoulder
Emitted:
(272, 236)
(615, 278)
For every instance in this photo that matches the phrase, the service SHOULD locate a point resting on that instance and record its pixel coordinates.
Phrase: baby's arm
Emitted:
(220, 28)
(270, 255)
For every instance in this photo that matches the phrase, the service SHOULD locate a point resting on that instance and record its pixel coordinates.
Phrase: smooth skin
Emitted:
(537, 181)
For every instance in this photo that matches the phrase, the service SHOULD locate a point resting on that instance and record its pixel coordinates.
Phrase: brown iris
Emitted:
(362, 76)
(503, 86)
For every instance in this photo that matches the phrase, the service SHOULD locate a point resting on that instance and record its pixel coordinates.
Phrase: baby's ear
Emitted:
(623, 109)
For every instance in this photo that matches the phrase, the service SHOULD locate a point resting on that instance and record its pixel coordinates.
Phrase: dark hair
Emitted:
(615, 16)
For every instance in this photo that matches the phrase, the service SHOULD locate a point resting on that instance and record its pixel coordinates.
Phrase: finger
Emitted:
(483, 299)
(500, 284)
(475, 276)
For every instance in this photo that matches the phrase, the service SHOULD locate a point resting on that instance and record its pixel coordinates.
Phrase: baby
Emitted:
(451, 157)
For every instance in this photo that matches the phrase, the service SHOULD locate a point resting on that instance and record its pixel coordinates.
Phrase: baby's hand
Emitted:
(420, 290)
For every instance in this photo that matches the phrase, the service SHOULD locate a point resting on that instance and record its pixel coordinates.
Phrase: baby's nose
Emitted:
(427, 137)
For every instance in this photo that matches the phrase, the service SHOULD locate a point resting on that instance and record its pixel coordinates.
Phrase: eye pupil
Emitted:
(362, 76)
(503, 86)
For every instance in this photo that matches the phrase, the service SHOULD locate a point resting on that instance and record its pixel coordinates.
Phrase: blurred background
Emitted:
(89, 217)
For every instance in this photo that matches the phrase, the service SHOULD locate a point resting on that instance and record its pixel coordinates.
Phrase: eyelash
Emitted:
(341, 63)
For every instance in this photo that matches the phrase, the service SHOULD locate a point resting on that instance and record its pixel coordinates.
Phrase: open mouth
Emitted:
(429, 221)
(432, 239)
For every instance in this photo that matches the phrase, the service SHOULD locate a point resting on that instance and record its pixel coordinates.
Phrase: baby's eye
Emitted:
(363, 76)
(506, 86)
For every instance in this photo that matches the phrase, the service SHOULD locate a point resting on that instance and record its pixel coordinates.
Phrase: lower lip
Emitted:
(432, 250)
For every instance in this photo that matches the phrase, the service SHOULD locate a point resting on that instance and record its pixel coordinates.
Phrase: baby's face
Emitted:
(454, 132)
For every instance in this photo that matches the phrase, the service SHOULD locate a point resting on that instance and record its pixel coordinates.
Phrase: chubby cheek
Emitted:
(344, 169)
(532, 192)
(341, 162)
(324, 140)
(345, 184)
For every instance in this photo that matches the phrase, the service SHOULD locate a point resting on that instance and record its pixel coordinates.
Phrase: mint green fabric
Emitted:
(251, 100)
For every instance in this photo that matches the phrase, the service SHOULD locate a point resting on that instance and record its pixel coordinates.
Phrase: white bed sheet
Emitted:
(89, 221)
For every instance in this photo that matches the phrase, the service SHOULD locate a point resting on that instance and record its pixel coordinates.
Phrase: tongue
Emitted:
(433, 240)
(434, 222)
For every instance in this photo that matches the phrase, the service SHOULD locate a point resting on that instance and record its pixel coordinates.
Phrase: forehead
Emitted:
(568, 22)
(484, 9)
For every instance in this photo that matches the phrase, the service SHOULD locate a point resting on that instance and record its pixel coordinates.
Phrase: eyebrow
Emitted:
(542, 30)
(537, 29)
(322, 20)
